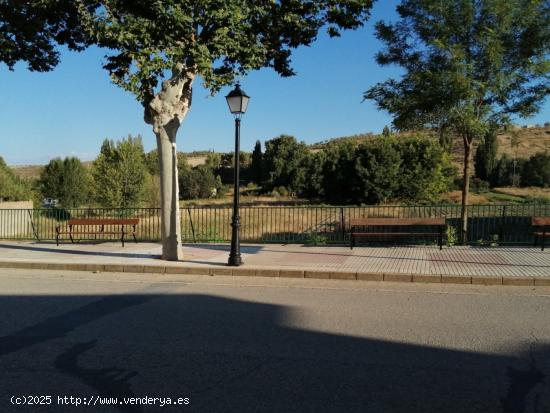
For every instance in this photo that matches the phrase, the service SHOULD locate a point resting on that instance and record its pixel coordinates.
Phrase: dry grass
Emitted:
(196, 161)
(455, 197)
(246, 200)
(530, 142)
(34, 171)
(529, 192)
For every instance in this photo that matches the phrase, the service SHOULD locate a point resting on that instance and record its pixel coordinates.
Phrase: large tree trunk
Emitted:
(165, 112)
(466, 187)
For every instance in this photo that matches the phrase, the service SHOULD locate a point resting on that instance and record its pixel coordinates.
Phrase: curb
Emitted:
(283, 273)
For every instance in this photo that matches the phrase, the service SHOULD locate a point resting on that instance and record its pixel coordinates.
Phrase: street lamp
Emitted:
(238, 103)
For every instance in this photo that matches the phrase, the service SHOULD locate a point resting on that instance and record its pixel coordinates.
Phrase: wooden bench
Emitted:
(398, 227)
(541, 227)
(93, 226)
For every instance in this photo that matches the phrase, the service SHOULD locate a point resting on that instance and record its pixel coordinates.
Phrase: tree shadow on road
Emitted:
(237, 356)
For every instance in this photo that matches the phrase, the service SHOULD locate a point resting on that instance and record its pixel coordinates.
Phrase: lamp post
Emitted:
(237, 101)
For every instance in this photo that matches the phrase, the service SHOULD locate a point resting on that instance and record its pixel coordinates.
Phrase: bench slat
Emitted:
(540, 221)
(91, 232)
(396, 221)
(394, 233)
(103, 221)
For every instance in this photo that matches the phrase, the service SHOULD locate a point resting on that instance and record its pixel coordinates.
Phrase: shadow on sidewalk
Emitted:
(57, 250)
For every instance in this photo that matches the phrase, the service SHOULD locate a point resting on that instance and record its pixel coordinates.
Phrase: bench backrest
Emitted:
(104, 221)
(397, 221)
(540, 221)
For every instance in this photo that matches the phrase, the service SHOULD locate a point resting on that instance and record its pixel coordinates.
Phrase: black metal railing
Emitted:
(505, 224)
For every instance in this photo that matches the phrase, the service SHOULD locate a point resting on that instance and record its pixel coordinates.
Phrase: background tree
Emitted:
(65, 180)
(284, 159)
(50, 182)
(198, 183)
(313, 187)
(13, 188)
(75, 190)
(159, 48)
(468, 65)
(426, 170)
(378, 164)
(503, 173)
(256, 166)
(214, 160)
(339, 171)
(119, 173)
(485, 160)
(536, 171)
(151, 160)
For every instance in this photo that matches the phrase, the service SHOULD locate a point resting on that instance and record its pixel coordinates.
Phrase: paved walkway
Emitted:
(405, 263)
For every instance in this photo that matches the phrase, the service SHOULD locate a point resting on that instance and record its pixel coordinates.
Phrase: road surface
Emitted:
(153, 343)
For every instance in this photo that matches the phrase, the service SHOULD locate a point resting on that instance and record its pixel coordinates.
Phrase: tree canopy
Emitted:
(31, 30)
(12, 188)
(119, 173)
(468, 66)
(467, 63)
(218, 40)
(66, 180)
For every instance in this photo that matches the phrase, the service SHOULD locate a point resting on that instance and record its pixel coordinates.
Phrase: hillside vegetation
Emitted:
(531, 141)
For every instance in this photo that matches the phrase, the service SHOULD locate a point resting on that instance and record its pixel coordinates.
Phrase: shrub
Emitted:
(479, 186)
(536, 171)
(12, 187)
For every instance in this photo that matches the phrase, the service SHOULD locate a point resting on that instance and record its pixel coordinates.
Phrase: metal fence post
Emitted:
(343, 223)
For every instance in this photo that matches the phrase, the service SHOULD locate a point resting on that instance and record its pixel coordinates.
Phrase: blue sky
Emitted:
(70, 110)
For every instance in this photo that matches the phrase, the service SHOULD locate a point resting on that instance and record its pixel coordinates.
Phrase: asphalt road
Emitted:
(222, 344)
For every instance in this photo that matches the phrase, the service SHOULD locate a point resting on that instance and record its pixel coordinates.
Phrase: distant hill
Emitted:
(531, 140)
(34, 171)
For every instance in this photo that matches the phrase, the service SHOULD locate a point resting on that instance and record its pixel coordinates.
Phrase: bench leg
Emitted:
(543, 239)
(71, 237)
(122, 239)
(57, 239)
(440, 239)
(351, 242)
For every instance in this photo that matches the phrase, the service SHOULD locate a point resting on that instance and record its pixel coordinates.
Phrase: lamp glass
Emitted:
(235, 104)
(237, 100)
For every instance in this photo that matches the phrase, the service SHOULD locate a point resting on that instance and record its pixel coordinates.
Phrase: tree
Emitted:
(30, 31)
(198, 182)
(152, 162)
(485, 160)
(51, 179)
(75, 183)
(339, 173)
(159, 48)
(284, 160)
(468, 65)
(536, 171)
(426, 170)
(378, 167)
(119, 173)
(256, 171)
(13, 188)
(66, 180)
(313, 188)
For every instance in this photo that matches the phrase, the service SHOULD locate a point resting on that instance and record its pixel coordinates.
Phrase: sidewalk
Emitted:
(465, 265)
